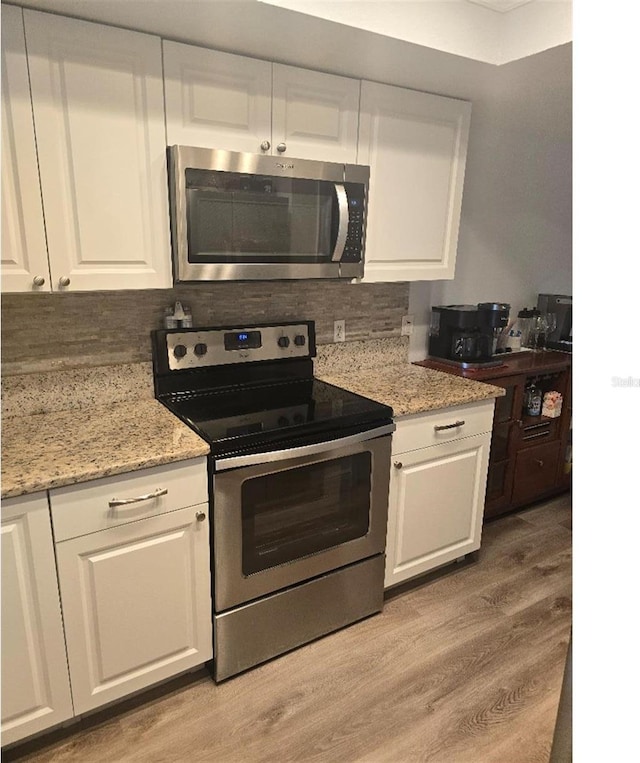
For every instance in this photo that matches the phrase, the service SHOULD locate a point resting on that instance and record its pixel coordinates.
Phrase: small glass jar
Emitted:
(533, 400)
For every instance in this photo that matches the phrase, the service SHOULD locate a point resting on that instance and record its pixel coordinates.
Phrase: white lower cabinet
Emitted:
(136, 602)
(133, 575)
(437, 489)
(35, 680)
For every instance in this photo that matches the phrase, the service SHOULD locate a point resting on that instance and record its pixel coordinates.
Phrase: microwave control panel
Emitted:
(354, 244)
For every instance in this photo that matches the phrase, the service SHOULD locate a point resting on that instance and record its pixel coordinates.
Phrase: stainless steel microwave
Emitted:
(237, 216)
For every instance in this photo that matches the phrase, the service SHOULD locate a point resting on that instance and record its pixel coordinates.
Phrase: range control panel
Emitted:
(201, 348)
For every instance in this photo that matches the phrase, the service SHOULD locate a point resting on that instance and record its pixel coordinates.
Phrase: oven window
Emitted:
(236, 218)
(294, 513)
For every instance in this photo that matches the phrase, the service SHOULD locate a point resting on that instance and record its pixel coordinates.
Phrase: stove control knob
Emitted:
(283, 421)
(283, 341)
(300, 340)
(200, 349)
(179, 351)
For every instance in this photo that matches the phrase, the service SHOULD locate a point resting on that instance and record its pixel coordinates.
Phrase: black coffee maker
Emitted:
(467, 334)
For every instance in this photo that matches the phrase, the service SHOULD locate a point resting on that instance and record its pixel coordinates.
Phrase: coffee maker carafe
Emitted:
(467, 334)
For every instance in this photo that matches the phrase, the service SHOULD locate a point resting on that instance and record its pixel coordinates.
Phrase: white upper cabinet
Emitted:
(315, 115)
(223, 101)
(98, 110)
(416, 146)
(216, 100)
(25, 266)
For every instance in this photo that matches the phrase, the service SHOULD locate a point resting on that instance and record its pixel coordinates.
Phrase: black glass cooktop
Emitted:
(280, 414)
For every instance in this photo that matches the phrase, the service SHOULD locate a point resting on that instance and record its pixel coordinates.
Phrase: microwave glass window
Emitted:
(253, 218)
(290, 514)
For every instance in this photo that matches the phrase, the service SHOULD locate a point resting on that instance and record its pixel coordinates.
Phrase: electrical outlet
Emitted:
(338, 331)
(407, 325)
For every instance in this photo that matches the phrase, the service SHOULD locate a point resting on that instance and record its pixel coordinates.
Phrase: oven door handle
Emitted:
(305, 450)
(343, 222)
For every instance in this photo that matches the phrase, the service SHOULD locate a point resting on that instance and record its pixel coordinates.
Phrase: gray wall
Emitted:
(516, 226)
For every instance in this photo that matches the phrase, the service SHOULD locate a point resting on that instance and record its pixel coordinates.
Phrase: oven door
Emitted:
(304, 512)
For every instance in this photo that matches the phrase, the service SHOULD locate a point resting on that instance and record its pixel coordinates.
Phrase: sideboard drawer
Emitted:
(535, 472)
(111, 501)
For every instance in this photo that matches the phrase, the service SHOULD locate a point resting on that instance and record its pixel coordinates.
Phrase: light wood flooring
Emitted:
(465, 666)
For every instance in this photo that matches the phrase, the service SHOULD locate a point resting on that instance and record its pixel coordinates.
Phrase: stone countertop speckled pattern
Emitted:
(49, 450)
(412, 389)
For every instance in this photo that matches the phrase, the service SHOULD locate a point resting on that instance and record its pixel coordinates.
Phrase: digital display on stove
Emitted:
(242, 340)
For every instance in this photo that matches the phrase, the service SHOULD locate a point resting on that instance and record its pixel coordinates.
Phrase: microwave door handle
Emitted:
(343, 222)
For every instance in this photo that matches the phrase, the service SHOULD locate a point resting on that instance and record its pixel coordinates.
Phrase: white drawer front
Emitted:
(85, 508)
(445, 425)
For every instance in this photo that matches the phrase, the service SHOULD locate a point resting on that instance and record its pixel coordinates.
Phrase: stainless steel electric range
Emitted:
(299, 480)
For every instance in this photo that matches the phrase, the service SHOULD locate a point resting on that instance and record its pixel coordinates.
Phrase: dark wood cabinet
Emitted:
(530, 455)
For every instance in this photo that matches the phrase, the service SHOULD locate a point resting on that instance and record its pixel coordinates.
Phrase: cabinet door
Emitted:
(315, 115)
(416, 145)
(536, 472)
(25, 266)
(504, 440)
(137, 604)
(216, 100)
(436, 500)
(99, 119)
(35, 678)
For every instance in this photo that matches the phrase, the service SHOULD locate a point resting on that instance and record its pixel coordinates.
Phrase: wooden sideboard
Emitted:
(530, 456)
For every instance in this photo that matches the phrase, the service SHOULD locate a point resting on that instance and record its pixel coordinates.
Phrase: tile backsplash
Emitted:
(45, 332)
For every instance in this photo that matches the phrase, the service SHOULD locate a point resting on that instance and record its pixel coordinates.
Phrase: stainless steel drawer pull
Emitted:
(456, 424)
(115, 502)
(200, 516)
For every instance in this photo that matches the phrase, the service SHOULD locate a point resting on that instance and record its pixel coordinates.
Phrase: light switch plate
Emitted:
(407, 325)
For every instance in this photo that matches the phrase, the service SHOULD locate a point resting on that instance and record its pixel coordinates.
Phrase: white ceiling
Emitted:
(492, 31)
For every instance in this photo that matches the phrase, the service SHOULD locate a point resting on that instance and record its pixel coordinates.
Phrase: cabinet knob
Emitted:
(397, 464)
(540, 463)
(200, 516)
(281, 147)
(38, 281)
(64, 281)
(265, 145)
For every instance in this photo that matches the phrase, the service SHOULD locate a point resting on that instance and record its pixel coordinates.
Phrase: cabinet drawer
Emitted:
(536, 470)
(80, 509)
(423, 429)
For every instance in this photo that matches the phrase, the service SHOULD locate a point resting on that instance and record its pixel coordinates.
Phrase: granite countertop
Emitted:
(41, 451)
(412, 389)
(47, 450)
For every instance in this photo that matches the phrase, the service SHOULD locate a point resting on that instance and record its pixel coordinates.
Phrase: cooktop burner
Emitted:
(251, 388)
